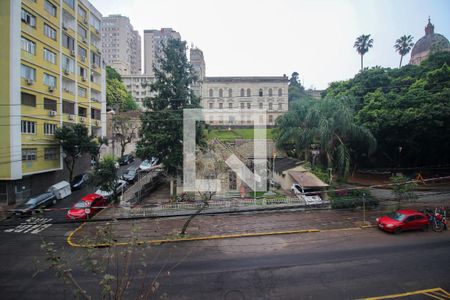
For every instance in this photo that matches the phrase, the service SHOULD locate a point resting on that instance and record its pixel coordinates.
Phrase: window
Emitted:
(270, 119)
(249, 105)
(221, 93)
(29, 153)
(260, 93)
(68, 107)
(71, 3)
(211, 93)
(49, 129)
(50, 32)
(50, 104)
(280, 92)
(68, 65)
(270, 105)
(27, 72)
(211, 105)
(249, 92)
(95, 114)
(50, 8)
(68, 42)
(260, 105)
(82, 32)
(230, 93)
(28, 127)
(95, 22)
(95, 59)
(242, 105)
(82, 112)
(221, 105)
(28, 99)
(51, 153)
(49, 80)
(82, 53)
(230, 105)
(49, 56)
(280, 106)
(242, 93)
(82, 92)
(28, 18)
(28, 46)
(82, 13)
(232, 183)
(270, 92)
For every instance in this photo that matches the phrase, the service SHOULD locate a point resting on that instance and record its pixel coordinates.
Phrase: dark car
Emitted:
(126, 159)
(131, 174)
(79, 181)
(43, 200)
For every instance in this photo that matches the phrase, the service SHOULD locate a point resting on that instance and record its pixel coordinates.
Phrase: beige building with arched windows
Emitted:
(230, 101)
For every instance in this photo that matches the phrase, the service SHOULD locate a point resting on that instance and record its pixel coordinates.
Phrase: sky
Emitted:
(271, 38)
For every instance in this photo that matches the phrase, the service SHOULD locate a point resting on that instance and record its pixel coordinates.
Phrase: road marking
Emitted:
(31, 225)
(436, 293)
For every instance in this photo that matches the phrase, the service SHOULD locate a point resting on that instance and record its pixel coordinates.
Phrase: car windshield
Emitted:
(77, 178)
(145, 163)
(81, 204)
(130, 172)
(396, 216)
(31, 202)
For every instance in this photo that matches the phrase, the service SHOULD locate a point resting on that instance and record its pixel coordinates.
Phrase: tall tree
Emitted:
(403, 45)
(75, 142)
(296, 90)
(162, 125)
(105, 176)
(116, 93)
(362, 45)
(124, 131)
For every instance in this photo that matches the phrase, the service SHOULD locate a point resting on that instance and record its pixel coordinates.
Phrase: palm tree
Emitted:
(403, 45)
(362, 45)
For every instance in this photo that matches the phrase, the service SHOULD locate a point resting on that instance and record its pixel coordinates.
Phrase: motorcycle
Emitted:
(437, 219)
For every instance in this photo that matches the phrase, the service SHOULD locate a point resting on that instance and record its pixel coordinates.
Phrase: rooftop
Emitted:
(283, 79)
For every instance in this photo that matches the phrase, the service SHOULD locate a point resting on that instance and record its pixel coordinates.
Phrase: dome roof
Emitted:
(430, 39)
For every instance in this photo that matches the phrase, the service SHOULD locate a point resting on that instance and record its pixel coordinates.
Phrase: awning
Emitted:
(307, 179)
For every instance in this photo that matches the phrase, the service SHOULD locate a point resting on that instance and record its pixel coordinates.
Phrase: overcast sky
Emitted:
(261, 37)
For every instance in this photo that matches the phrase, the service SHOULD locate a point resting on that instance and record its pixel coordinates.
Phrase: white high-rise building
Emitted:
(153, 40)
(121, 45)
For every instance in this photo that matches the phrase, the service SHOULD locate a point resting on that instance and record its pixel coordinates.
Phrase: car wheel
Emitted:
(397, 230)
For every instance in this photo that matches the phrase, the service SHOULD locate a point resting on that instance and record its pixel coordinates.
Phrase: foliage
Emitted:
(162, 126)
(75, 142)
(105, 176)
(296, 90)
(354, 200)
(328, 123)
(403, 188)
(362, 45)
(124, 131)
(403, 45)
(118, 96)
(112, 74)
(406, 107)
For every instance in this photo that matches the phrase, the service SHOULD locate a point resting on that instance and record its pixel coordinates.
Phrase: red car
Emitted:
(402, 220)
(88, 206)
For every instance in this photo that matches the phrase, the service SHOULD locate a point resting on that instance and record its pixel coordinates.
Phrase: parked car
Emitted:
(131, 174)
(148, 164)
(120, 187)
(402, 220)
(88, 206)
(296, 188)
(126, 159)
(42, 200)
(79, 181)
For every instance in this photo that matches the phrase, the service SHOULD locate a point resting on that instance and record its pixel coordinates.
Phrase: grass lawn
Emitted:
(238, 133)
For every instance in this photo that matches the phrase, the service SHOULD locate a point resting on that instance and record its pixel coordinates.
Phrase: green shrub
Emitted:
(353, 201)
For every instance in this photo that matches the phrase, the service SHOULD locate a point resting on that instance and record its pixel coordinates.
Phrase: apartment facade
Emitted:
(232, 101)
(52, 74)
(153, 41)
(121, 45)
(138, 86)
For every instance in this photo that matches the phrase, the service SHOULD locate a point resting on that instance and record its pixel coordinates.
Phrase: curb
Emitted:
(205, 238)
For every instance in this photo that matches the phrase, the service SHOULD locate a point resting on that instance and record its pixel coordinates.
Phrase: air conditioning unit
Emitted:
(84, 40)
(52, 113)
(51, 89)
(96, 31)
(72, 52)
(66, 90)
(30, 81)
(82, 119)
(85, 21)
(72, 117)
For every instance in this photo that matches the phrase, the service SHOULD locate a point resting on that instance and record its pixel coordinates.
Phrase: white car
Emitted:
(148, 164)
(120, 188)
(296, 188)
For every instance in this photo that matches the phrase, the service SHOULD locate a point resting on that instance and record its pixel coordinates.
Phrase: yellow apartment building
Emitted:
(51, 73)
